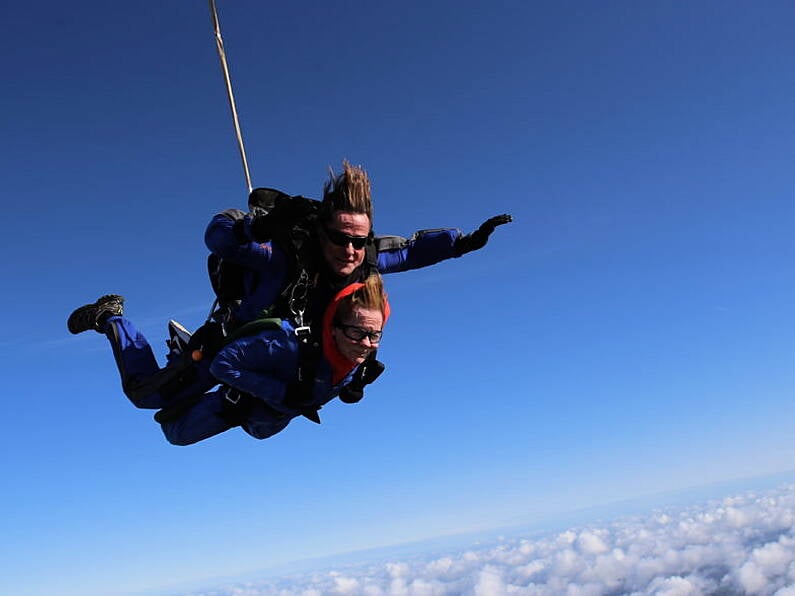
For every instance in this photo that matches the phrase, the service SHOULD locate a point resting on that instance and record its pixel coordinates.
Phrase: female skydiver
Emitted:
(261, 391)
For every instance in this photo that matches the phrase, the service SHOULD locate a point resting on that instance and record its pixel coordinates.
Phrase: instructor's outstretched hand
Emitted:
(478, 238)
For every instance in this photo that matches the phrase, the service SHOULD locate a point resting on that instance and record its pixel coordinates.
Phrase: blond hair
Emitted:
(348, 191)
(370, 296)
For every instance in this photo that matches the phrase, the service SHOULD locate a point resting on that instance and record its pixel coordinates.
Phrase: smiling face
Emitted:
(343, 260)
(359, 323)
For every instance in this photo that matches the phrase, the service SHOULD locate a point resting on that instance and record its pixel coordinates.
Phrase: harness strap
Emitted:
(370, 258)
(301, 392)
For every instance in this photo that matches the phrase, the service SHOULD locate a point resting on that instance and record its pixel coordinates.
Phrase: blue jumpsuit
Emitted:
(266, 263)
(261, 365)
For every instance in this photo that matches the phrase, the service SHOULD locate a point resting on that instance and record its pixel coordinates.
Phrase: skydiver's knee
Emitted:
(261, 433)
(142, 397)
(176, 435)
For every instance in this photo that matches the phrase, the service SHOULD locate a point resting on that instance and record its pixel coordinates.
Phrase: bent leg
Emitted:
(202, 421)
(134, 359)
(143, 381)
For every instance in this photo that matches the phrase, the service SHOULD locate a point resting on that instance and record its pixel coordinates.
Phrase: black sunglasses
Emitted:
(343, 239)
(358, 334)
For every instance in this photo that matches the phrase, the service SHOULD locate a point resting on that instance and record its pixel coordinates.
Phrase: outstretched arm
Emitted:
(428, 247)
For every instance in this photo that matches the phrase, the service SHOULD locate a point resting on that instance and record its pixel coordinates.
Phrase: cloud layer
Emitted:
(740, 545)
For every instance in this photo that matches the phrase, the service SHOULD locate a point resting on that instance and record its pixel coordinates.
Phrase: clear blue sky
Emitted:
(632, 331)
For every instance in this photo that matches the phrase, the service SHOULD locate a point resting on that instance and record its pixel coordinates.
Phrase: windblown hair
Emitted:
(370, 296)
(348, 191)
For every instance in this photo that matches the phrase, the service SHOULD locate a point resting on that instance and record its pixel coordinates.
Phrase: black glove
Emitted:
(367, 373)
(262, 227)
(208, 340)
(286, 213)
(478, 238)
(262, 200)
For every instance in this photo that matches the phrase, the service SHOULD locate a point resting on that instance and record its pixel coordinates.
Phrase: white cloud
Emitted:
(744, 544)
(591, 542)
(490, 582)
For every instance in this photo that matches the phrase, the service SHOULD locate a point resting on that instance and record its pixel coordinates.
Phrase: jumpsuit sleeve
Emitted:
(424, 248)
(228, 235)
(257, 365)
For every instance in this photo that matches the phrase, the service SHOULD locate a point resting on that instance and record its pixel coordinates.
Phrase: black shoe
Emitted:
(178, 338)
(93, 316)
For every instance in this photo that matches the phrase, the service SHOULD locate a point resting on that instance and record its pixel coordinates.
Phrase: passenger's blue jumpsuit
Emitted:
(261, 365)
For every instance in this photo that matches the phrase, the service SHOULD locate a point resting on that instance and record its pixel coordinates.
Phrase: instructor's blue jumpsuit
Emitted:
(267, 265)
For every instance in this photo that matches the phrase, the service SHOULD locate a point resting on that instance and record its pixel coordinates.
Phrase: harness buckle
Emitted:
(303, 333)
(232, 395)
